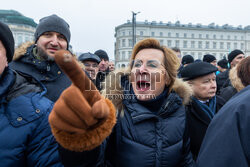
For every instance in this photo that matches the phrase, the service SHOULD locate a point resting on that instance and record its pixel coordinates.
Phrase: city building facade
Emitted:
(22, 27)
(194, 39)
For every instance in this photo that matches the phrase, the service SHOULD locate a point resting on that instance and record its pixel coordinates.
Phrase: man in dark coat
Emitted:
(52, 34)
(204, 105)
(234, 58)
(227, 141)
(25, 134)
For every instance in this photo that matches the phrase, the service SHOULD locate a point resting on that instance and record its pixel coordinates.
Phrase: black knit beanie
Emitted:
(233, 54)
(223, 63)
(187, 59)
(7, 39)
(52, 23)
(102, 54)
(209, 58)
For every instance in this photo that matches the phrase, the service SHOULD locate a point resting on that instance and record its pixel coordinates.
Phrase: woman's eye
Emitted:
(137, 65)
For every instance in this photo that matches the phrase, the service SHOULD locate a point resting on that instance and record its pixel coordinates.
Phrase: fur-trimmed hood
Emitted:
(21, 50)
(235, 80)
(116, 96)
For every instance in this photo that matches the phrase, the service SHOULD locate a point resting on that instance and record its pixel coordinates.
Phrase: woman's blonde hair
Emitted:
(171, 61)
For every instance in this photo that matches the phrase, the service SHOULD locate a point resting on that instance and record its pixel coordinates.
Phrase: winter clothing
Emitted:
(198, 120)
(102, 54)
(141, 137)
(90, 57)
(55, 24)
(47, 72)
(81, 113)
(196, 70)
(209, 58)
(226, 142)
(7, 39)
(25, 135)
(235, 86)
(223, 63)
(187, 59)
(222, 80)
(233, 54)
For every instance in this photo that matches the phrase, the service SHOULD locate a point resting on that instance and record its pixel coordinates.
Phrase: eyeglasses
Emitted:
(150, 64)
(90, 65)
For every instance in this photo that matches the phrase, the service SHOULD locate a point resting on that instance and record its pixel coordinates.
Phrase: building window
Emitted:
(123, 33)
(192, 35)
(242, 46)
(130, 32)
(161, 34)
(221, 45)
(192, 54)
(235, 37)
(130, 42)
(185, 53)
(185, 35)
(169, 34)
(235, 45)
(221, 37)
(199, 55)
(228, 45)
(214, 36)
(228, 37)
(200, 45)
(200, 35)
(123, 55)
(123, 43)
(177, 35)
(169, 43)
(177, 43)
(19, 40)
(152, 34)
(192, 44)
(221, 56)
(207, 36)
(184, 44)
(141, 33)
(161, 42)
(214, 45)
(207, 45)
(242, 38)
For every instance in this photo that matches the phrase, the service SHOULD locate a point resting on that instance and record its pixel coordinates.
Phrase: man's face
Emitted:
(111, 66)
(103, 65)
(3, 58)
(91, 68)
(204, 87)
(148, 75)
(48, 43)
(237, 59)
(214, 63)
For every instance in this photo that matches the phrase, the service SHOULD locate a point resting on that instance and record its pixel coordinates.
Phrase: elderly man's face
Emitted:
(204, 87)
(91, 68)
(103, 65)
(148, 74)
(111, 66)
(3, 58)
(48, 43)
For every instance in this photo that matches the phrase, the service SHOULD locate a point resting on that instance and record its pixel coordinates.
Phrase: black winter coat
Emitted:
(46, 72)
(197, 122)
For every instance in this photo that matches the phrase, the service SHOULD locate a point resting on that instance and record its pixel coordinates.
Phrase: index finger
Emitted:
(71, 68)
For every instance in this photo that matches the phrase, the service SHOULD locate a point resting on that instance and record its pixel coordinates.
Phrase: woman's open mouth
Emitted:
(142, 85)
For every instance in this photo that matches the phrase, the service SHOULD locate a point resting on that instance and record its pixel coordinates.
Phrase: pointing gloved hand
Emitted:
(81, 118)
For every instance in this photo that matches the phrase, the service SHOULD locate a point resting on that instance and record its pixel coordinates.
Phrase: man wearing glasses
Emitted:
(90, 62)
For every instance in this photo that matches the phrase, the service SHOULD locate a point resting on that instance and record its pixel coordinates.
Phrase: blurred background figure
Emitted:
(222, 65)
(104, 64)
(210, 59)
(177, 52)
(111, 66)
(187, 59)
(91, 64)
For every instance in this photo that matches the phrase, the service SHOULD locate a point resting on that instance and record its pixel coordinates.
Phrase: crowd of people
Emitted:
(58, 109)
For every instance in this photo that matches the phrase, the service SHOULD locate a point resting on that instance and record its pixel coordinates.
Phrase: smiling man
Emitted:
(204, 105)
(52, 34)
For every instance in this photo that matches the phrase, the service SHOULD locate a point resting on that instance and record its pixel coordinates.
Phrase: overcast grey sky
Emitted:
(93, 22)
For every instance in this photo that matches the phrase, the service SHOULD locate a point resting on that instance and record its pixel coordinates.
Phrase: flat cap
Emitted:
(90, 57)
(198, 69)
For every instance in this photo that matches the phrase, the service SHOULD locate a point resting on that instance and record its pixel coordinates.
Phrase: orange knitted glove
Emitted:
(81, 118)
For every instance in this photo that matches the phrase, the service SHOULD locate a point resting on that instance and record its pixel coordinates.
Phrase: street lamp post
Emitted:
(134, 27)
